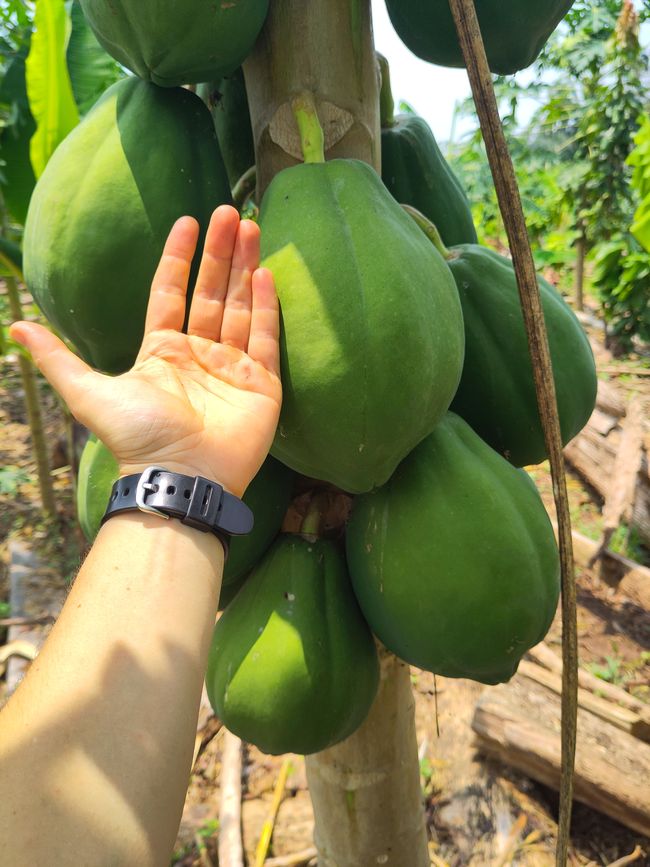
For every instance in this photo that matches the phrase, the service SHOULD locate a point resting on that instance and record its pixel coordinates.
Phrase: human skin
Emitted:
(96, 744)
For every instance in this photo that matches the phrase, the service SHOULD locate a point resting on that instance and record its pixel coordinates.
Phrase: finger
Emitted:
(263, 343)
(236, 326)
(169, 286)
(62, 368)
(206, 312)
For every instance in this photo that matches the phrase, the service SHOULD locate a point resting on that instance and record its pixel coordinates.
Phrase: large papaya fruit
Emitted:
(103, 207)
(496, 395)
(514, 31)
(293, 665)
(454, 561)
(416, 173)
(171, 43)
(267, 496)
(372, 336)
(228, 104)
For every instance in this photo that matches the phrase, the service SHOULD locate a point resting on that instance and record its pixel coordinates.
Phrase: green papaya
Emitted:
(171, 43)
(514, 31)
(293, 666)
(268, 497)
(416, 173)
(496, 395)
(454, 561)
(228, 104)
(98, 471)
(372, 333)
(103, 207)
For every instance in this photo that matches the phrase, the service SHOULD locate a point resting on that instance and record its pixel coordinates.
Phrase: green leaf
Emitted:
(91, 69)
(48, 82)
(17, 176)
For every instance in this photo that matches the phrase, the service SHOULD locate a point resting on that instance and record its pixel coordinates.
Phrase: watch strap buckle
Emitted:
(146, 486)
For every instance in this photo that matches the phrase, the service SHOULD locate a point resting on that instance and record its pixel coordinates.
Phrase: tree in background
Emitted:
(590, 85)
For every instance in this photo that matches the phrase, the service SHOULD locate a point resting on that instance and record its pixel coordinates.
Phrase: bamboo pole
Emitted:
(503, 173)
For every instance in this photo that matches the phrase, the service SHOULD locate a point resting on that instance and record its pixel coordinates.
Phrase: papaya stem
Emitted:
(430, 230)
(312, 141)
(310, 526)
(386, 103)
(244, 187)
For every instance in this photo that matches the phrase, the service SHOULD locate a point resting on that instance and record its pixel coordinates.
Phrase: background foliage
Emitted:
(575, 125)
(580, 176)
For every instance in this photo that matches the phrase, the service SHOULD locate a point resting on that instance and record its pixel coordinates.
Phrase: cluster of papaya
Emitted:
(407, 381)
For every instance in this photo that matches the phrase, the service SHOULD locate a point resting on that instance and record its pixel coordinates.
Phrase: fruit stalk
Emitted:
(312, 141)
(429, 230)
(386, 102)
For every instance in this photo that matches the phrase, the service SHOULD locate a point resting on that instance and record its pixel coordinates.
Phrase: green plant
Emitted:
(621, 276)
(11, 478)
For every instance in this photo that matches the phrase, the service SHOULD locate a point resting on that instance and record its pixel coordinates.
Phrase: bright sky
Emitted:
(432, 90)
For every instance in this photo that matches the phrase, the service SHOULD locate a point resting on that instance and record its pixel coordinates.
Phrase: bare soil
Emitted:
(614, 643)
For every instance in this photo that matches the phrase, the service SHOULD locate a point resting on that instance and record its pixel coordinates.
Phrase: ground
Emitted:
(614, 644)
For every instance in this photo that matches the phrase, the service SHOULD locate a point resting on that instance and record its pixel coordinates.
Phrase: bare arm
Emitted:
(96, 745)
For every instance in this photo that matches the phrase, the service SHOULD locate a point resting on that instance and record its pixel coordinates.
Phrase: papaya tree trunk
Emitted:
(326, 47)
(366, 791)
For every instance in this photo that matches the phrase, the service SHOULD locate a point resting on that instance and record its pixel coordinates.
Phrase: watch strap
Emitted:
(194, 500)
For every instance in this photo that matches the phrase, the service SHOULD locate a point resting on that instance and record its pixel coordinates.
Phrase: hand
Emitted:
(202, 403)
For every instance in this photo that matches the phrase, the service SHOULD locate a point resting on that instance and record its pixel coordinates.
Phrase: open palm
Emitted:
(206, 402)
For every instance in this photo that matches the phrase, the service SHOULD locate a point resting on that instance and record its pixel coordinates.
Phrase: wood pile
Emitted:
(519, 723)
(611, 455)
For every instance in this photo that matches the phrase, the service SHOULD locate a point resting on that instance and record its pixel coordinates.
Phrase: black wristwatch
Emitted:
(197, 502)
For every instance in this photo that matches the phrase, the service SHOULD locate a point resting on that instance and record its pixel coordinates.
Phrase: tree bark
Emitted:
(324, 46)
(366, 791)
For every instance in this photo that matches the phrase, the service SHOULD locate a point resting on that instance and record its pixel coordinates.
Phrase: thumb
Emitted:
(62, 368)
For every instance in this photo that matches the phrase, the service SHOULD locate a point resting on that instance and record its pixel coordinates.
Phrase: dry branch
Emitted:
(510, 206)
(269, 824)
(231, 850)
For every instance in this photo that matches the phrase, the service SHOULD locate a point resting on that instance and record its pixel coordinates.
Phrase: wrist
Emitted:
(186, 469)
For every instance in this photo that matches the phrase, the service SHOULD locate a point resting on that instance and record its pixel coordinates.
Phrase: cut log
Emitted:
(621, 491)
(627, 577)
(519, 723)
(610, 453)
(544, 656)
(634, 723)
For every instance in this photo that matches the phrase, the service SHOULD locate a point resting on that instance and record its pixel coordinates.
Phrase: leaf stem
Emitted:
(311, 132)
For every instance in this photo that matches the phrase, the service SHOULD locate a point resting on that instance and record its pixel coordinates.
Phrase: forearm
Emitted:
(100, 734)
